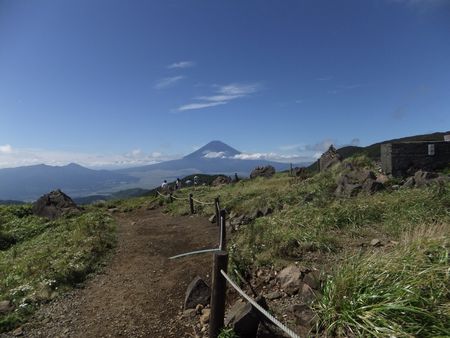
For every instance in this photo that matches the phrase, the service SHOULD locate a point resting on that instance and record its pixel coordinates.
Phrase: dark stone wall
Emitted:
(401, 159)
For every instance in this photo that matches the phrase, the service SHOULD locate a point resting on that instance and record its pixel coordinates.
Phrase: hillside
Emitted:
(373, 151)
(368, 249)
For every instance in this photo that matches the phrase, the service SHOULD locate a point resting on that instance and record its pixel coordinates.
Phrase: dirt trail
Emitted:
(140, 293)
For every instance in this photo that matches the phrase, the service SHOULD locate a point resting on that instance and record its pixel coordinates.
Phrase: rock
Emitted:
(244, 319)
(375, 242)
(204, 318)
(266, 171)
(290, 279)
(410, 182)
(255, 214)
(352, 183)
(300, 172)
(6, 306)
(199, 308)
(274, 295)
(267, 330)
(313, 279)
(307, 294)
(221, 180)
(267, 211)
(212, 219)
(382, 178)
(371, 186)
(329, 158)
(423, 178)
(198, 292)
(303, 314)
(17, 332)
(54, 205)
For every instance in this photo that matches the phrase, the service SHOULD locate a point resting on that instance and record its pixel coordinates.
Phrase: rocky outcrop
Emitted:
(355, 181)
(329, 158)
(54, 205)
(198, 292)
(266, 171)
(423, 178)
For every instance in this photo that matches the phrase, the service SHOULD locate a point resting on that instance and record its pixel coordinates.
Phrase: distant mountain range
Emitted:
(30, 182)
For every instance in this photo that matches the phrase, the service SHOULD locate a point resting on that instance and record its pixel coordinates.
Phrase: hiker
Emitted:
(236, 178)
(178, 184)
(196, 180)
(164, 185)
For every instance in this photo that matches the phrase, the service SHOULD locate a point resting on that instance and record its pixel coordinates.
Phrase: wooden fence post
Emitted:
(218, 293)
(170, 198)
(217, 204)
(191, 204)
(223, 231)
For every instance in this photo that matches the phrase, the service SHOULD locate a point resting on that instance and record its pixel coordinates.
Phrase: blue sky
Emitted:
(115, 83)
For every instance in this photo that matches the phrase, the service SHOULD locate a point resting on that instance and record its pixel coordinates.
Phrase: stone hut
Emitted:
(402, 159)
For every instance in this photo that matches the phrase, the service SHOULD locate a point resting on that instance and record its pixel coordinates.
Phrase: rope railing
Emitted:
(197, 252)
(275, 321)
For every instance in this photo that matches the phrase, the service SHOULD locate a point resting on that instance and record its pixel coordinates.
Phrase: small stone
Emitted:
(199, 308)
(375, 242)
(204, 318)
(274, 295)
(17, 332)
(189, 313)
(313, 279)
(5, 306)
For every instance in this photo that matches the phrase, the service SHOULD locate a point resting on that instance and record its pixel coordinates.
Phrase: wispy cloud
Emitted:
(181, 64)
(5, 149)
(192, 106)
(168, 81)
(223, 95)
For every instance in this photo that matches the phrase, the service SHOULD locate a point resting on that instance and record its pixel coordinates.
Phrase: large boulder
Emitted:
(329, 158)
(266, 171)
(198, 292)
(54, 205)
(221, 180)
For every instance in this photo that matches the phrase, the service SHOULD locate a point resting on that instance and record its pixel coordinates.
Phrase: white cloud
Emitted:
(213, 154)
(223, 95)
(181, 64)
(6, 149)
(192, 106)
(168, 81)
(24, 157)
(285, 158)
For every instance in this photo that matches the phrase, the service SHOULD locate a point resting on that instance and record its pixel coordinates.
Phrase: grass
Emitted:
(44, 257)
(399, 290)
(403, 292)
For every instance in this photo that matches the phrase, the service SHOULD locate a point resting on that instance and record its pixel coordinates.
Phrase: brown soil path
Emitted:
(140, 293)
